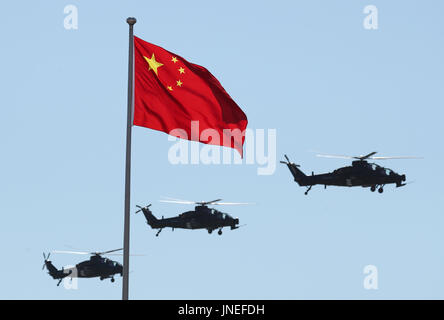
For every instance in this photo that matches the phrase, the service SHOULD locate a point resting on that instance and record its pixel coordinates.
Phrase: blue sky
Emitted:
(308, 69)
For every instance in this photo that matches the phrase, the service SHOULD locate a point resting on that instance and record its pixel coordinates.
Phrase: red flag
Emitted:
(172, 93)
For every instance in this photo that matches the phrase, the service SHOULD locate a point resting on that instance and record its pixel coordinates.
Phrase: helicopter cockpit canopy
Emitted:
(219, 214)
(381, 170)
(111, 263)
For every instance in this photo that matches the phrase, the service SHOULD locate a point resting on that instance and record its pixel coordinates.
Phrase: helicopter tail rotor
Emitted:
(46, 259)
(297, 174)
(288, 162)
(142, 208)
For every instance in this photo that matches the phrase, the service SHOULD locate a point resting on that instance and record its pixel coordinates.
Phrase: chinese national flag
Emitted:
(171, 93)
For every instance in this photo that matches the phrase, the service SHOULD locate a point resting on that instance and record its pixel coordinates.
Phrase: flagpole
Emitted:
(126, 229)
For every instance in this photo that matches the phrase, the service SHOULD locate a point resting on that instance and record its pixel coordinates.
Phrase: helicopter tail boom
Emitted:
(55, 273)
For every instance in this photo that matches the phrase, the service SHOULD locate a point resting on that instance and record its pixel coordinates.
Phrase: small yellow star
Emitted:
(153, 64)
(179, 83)
(174, 59)
(170, 88)
(181, 70)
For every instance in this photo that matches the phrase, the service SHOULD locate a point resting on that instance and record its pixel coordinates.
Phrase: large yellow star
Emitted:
(153, 64)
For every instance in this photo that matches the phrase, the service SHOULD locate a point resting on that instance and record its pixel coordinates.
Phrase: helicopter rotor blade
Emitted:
(109, 251)
(175, 199)
(208, 202)
(213, 202)
(286, 158)
(87, 253)
(131, 254)
(388, 158)
(44, 261)
(334, 156)
(178, 201)
(341, 156)
(366, 156)
(143, 207)
(71, 252)
(46, 258)
(288, 162)
(232, 203)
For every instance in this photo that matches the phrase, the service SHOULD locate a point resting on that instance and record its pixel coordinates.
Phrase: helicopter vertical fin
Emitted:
(150, 218)
(51, 268)
(298, 175)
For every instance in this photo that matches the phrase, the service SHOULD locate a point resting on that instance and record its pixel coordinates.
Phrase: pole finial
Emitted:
(131, 21)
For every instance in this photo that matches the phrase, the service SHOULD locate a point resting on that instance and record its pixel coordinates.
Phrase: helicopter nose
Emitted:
(403, 177)
(236, 221)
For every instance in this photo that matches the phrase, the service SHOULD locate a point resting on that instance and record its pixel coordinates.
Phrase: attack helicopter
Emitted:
(202, 217)
(96, 266)
(360, 173)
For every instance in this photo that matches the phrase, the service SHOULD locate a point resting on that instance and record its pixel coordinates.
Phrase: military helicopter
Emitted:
(96, 266)
(201, 218)
(360, 173)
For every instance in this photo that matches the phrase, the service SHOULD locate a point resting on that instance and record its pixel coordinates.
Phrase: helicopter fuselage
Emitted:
(96, 266)
(201, 218)
(360, 173)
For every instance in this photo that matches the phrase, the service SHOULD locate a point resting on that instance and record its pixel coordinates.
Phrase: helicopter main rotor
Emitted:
(203, 203)
(364, 157)
(109, 252)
